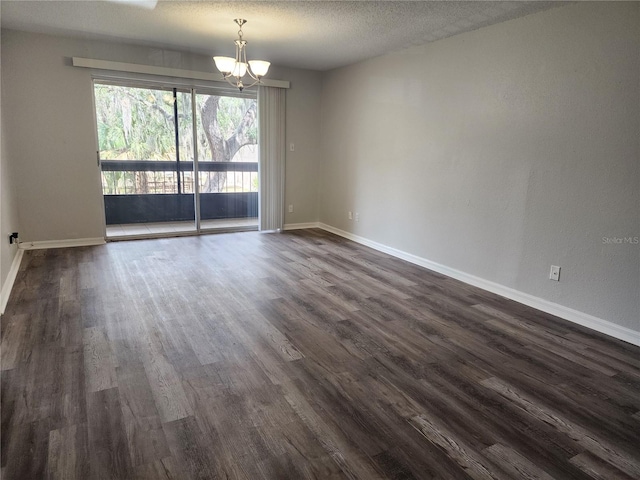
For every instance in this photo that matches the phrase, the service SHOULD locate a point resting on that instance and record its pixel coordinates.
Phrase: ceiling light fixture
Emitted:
(234, 69)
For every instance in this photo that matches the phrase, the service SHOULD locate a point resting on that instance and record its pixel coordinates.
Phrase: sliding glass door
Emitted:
(153, 144)
(226, 129)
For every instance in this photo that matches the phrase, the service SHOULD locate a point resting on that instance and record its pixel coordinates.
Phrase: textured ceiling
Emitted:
(318, 35)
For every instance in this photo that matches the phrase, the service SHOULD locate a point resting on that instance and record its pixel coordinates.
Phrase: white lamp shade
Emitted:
(225, 64)
(259, 67)
(239, 69)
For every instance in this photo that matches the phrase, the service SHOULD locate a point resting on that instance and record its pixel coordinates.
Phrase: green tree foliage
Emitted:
(135, 123)
(138, 124)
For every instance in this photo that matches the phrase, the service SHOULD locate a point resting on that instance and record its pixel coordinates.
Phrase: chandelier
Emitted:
(234, 69)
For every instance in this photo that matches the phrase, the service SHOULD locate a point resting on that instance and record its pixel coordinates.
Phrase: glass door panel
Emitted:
(227, 149)
(147, 180)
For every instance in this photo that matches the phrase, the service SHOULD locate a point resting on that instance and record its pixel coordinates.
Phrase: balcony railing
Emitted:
(146, 191)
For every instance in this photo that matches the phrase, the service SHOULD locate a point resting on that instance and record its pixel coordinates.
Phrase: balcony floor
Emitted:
(159, 229)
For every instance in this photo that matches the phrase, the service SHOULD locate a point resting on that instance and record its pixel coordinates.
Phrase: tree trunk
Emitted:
(209, 115)
(223, 150)
(241, 136)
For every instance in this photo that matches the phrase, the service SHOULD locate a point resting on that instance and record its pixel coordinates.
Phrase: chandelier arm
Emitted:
(235, 81)
(255, 77)
(233, 84)
(243, 53)
(258, 81)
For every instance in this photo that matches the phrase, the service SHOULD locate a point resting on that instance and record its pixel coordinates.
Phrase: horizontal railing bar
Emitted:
(171, 166)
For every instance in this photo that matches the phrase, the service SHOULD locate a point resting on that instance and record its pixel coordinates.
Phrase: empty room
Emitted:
(319, 240)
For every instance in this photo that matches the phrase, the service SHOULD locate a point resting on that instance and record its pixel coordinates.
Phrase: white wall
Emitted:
(8, 205)
(303, 130)
(500, 152)
(49, 118)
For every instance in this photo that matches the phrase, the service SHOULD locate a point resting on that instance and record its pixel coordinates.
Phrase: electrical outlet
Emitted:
(291, 208)
(357, 217)
(554, 274)
(350, 215)
(292, 147)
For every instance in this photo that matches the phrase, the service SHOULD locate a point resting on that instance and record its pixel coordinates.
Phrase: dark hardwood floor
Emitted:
(294, 356)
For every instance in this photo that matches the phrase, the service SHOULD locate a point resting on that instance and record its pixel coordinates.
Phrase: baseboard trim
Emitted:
(75, 242)
(300, 226)
(7, 286)
(575, 316)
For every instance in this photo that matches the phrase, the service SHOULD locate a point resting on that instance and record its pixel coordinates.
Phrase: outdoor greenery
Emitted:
(138, 124)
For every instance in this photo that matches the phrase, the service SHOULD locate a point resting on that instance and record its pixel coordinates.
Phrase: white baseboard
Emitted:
(575, 316)
(75, 242)
(300, 226)
(7, 286)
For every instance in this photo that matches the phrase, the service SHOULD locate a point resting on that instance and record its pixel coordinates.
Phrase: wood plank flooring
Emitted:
(298, 355)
